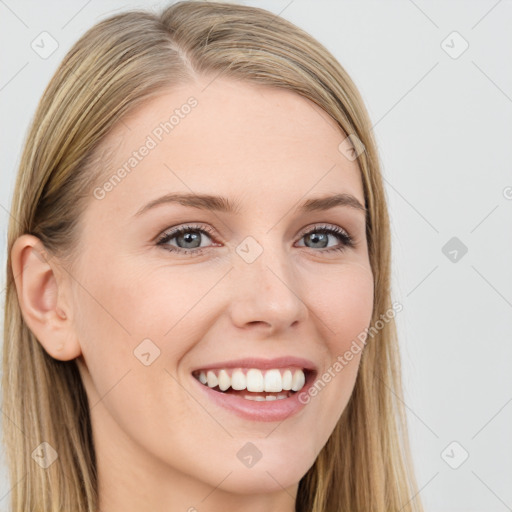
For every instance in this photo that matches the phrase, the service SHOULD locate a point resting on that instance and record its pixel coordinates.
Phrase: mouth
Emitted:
(256, 384)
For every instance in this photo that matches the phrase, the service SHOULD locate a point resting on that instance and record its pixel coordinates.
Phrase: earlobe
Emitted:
(41, 300)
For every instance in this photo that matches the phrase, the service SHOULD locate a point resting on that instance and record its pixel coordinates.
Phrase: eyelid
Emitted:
(323, 225)
(345, 239)
(184, 227)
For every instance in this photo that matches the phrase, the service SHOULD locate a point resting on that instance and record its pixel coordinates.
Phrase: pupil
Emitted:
(315, 238)
(188, 237)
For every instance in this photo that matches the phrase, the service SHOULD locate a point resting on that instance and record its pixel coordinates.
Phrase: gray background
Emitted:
(443, 123)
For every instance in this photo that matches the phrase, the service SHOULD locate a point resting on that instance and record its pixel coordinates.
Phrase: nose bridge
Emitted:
(265, 286)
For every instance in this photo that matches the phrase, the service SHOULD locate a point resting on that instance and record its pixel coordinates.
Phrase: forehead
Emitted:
(256, 143)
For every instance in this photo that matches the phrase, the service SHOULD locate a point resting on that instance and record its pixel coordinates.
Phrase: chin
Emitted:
(259, 482)
(263, 477)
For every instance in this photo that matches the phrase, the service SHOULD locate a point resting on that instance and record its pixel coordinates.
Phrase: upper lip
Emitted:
(262, 364)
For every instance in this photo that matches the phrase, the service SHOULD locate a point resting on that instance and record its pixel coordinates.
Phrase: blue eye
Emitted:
(188, 239)
(321, 234)
(183, 235)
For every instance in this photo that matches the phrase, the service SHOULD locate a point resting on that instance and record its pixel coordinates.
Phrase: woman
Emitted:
(198, 311)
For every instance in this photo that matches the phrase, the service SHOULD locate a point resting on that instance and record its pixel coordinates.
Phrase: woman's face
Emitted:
(260, 282)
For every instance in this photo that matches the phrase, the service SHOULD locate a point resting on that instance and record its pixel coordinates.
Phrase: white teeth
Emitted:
(238, 380)
(255, 381)
(298, 381)
(224, 380)
(273, 381)
(212, 379)
(287, 380)
(268, 398)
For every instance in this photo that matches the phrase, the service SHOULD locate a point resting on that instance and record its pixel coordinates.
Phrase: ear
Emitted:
(41, 300)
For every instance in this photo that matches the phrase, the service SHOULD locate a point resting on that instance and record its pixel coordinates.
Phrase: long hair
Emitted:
(114, 67)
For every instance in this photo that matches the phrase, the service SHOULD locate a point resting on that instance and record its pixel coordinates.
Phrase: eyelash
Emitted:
(346, 239)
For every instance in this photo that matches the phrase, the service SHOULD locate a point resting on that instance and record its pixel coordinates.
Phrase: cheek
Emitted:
(128, 315)
(343, 301)
(123, 317)
(343, 305)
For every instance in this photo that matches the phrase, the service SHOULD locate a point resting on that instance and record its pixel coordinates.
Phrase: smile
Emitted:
(253, 383)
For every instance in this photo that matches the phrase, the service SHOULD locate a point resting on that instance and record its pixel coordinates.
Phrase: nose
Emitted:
(266, 294)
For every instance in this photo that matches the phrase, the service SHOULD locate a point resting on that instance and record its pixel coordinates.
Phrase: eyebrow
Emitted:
(223, 204)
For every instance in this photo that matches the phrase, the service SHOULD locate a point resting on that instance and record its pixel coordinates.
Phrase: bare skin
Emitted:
(161, 445)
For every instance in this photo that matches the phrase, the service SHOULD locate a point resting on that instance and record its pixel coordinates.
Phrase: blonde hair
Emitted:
(115, 66)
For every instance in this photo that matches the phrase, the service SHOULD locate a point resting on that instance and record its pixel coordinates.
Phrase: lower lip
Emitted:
(273, 410)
